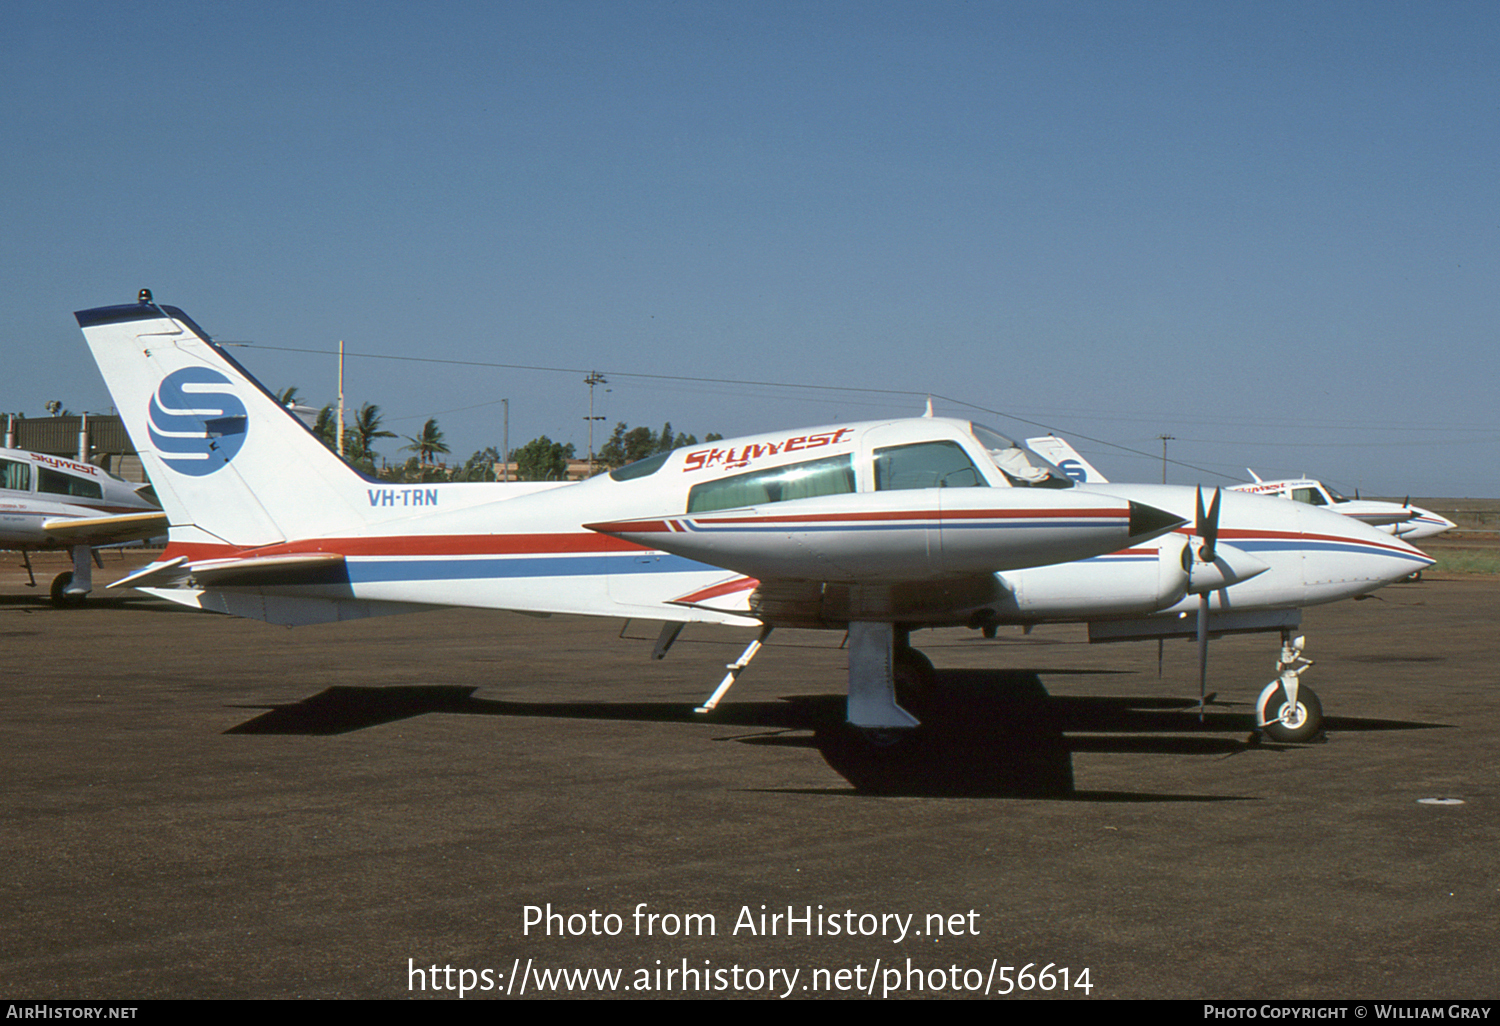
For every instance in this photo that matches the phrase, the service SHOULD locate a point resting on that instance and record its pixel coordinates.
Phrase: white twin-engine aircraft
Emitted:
(876, 528)
(47, 502)
(1402, 519)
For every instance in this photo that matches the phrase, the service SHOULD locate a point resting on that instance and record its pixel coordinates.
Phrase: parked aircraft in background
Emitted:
(1402, 519)
(47, 502)
(878, 528)
(1399, 518)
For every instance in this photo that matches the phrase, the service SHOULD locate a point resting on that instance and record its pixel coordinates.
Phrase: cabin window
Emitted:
(925, 465)
(831, 476)
(1311, 496)
(15, 476)
(56, 483)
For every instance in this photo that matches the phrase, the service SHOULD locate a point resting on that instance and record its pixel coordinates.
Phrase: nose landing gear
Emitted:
(1285, 711)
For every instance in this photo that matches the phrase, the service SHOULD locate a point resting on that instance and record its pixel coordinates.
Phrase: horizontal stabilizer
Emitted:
(256, 571)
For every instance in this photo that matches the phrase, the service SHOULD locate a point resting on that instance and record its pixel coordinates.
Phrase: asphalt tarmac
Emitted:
(203, 807)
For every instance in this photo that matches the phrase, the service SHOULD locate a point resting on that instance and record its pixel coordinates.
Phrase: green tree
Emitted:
(479, 467)
(326, 428)
(629, 444)
(365, 429)
(428, 444)
(542, 459)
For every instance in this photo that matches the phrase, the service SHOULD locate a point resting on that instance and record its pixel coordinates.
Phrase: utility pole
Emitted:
(1164, 440)
(341, 398)
(594, 378)
(505, 460)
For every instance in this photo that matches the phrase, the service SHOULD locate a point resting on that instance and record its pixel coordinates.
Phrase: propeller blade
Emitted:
(1202, 653)
(1207, 525)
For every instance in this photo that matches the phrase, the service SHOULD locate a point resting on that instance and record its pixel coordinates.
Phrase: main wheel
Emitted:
(60, 597)
(1285, 724)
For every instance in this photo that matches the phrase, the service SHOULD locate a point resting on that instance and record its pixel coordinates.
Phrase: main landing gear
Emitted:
(1286, 711)
(71, 587)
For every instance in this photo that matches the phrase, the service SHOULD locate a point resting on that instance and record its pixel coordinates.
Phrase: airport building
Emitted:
(96, 438)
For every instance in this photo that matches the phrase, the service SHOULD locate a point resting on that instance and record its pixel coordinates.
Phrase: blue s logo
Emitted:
(197, 424)
(1073, 470)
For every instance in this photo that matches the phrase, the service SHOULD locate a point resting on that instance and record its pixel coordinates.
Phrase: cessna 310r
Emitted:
(877, 528)
(1402, 519)
(47, 502)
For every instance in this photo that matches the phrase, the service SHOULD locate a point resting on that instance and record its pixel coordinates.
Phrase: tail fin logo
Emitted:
(196, 422)
(1074, 471)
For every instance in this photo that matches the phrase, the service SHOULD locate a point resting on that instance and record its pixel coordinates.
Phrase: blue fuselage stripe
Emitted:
(368, 571)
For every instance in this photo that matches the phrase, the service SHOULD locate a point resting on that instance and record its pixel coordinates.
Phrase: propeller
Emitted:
(1207, 529)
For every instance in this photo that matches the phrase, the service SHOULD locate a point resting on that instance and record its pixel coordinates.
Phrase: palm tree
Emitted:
(326, 427)
(366, 428)
(427, 444)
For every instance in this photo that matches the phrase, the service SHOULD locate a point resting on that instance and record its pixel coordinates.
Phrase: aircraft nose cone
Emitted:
(1149, 522)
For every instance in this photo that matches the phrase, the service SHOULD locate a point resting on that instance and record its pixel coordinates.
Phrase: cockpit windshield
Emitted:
(1021, 467)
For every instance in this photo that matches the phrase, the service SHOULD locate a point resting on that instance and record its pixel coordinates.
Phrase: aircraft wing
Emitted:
(112, 530)
(1376, 517)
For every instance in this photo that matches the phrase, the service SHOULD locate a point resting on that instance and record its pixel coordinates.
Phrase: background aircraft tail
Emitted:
(1063, 456)
(229, 463)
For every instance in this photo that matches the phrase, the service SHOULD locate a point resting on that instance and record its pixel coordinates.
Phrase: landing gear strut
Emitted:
(872, 678)
(1287, 712)
(69, 589)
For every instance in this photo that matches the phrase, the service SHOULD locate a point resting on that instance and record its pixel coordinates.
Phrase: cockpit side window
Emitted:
(15, 476)
(57, 483)
(1311, 496)
(939, 464)
(831, 476)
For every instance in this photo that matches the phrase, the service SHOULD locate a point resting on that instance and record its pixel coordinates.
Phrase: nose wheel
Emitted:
(1285, 711)
(1291, 724)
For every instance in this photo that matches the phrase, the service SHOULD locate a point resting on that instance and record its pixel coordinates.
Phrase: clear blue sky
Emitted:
(1271, 230)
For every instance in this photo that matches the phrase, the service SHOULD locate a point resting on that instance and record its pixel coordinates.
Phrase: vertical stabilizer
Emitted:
(224, 456)
(1062, 455)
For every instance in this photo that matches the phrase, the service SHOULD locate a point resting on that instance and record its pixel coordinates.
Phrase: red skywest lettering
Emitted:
(53, 461)
(742, 456)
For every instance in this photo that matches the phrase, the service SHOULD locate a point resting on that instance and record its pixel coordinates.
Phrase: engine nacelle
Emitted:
(1135, 580)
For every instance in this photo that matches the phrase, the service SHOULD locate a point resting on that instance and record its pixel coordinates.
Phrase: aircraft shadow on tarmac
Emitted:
(984, 733)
